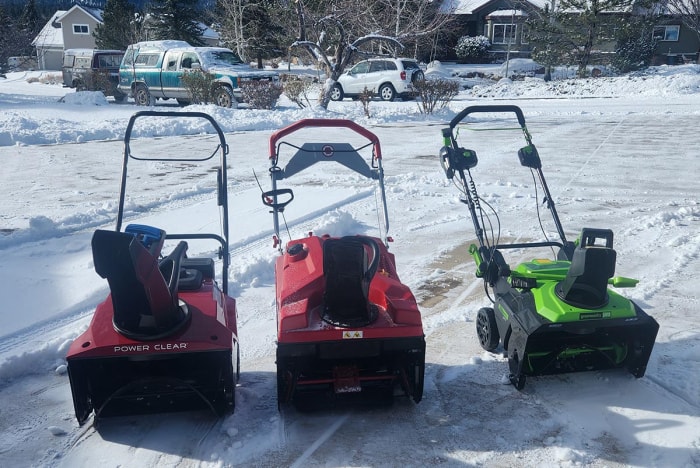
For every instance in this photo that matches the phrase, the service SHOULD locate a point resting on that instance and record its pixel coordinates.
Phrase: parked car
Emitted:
(385, 77)
(93, 70)
(154, 69)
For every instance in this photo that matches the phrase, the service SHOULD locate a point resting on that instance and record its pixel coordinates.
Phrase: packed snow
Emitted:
(618, 152)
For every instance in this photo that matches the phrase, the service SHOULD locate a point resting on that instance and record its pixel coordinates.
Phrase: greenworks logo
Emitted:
(504, 312)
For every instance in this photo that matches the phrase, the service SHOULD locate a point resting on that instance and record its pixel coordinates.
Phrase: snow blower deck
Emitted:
(550, 316)
(347, 328)
(165, 339)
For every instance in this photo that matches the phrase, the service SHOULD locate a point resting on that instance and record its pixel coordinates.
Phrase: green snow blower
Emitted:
(550, 316)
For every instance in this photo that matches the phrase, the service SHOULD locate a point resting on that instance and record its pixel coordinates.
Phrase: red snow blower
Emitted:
(165, 339)
(347, 328)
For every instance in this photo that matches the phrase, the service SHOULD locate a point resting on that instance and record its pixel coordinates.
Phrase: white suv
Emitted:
(386, 77)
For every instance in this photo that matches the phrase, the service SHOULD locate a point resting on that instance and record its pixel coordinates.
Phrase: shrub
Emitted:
(472, 48)
(199, 86)
(435, 94)
(260, 94)
(98, 80)
(365, 98)
(297, 90)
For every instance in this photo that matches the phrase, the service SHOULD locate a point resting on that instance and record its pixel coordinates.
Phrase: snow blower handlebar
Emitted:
(456, 159)
(222, 150)
(312, 152)
(349, 124)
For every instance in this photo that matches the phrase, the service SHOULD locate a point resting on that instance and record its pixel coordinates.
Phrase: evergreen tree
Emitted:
(255, 28)
(175, 20)
(118, 29)
(5, 39)
(635, 43)
(28, 26)
(572, 29)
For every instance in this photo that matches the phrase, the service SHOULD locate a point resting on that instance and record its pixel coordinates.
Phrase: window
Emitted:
(83, 62)
(109, 61)
(377, 66)
(524, 35)
(81, 29)
(362, 67)
(666, 33)
(146, 60)
(189, 59)
(504, 33)
(171, 60)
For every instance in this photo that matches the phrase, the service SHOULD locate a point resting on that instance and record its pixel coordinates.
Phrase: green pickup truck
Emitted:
(154, 69)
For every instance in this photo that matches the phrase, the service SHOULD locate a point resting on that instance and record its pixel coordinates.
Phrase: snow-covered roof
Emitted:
(461, 7)
(51, 34)
(468, 7)
(207, 32)
(507, 13)
(160, 45)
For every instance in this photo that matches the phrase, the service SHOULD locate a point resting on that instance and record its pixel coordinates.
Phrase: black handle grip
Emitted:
(491, 109)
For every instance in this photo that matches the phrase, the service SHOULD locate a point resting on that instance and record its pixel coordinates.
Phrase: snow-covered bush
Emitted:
(472, 48)
(261, 94)
(199, 86)
(297, 90)
(435, 94)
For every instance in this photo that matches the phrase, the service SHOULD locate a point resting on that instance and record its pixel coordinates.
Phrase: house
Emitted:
(676, 43)
(503, 23)
(70, 29)
(73, 29)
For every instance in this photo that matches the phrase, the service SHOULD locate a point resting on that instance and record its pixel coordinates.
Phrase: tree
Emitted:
(175, 20)
(253, 28)
(28, 25)
(571, 29)
(548, 44)
(412, 22)
(635, 42)
(328, 41)
(5, 39)
(120, 26)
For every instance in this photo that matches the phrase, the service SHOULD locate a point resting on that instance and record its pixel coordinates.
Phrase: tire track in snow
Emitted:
(300, 462)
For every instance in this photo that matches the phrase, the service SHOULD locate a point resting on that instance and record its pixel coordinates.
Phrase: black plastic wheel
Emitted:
(486, 329)
(516, 376)
(518, 381)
